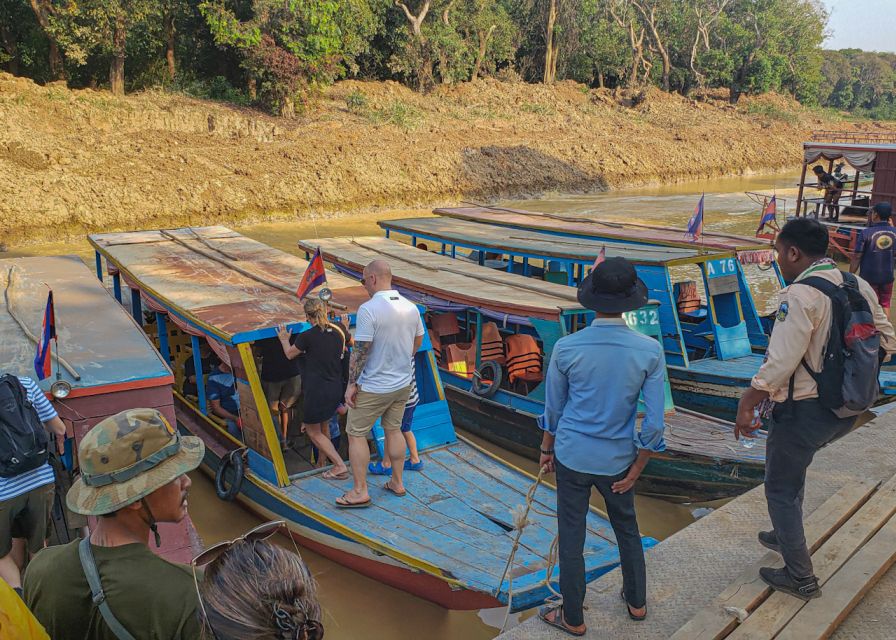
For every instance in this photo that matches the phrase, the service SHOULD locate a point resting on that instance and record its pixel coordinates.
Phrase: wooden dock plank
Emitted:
(819, 618)
(747, 591)
(773, 614)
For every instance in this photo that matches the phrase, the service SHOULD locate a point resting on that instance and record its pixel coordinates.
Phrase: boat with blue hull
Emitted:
(480, 322)
(447, 541)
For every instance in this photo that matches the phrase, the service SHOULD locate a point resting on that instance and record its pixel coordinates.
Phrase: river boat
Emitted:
(106, 364)
(501, 327)
(448, 540)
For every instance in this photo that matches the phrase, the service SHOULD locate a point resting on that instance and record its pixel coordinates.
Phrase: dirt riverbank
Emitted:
(79, 161)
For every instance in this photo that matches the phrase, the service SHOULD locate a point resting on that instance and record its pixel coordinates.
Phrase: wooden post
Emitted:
(162, 328)
(478, 340)
(99, 265)
(799, 195)
(116, 287)
(200, 378)
(136, 307)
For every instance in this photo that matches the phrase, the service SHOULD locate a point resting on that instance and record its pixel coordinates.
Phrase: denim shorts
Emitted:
(407, 419)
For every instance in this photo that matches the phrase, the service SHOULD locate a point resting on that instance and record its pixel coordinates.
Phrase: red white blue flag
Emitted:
(600, 257)
(43, 365)
(695, 224)
(768, 216)
(314, 275)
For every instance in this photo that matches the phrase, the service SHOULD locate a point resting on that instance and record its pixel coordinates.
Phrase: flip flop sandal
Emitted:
(377, 469)
(557, 622)
(388, 487)
(345, 504)
(629, 610)
(332, 475)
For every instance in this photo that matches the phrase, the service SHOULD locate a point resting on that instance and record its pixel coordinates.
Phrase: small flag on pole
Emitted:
(314, 276)
(43, 364)
(600, 257)
(695, 224)
(768, 216)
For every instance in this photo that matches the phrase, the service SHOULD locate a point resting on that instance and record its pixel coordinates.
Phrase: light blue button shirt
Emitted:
(591, 397)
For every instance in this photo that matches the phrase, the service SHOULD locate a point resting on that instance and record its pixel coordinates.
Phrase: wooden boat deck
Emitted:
(457, 515)
(438, 275)
(219, 279)
(101, 342)
(534, 242)
(710, 242)
(743, 367)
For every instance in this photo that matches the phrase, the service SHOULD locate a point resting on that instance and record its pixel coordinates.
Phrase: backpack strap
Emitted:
(88, 565)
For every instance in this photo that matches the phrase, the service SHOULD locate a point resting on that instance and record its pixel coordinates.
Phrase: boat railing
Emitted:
(854, 137)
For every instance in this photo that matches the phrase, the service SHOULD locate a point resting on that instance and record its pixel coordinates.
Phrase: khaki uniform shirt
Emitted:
(801, 329)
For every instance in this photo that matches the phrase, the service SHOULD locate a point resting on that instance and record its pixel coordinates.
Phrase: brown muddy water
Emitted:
(357, 607)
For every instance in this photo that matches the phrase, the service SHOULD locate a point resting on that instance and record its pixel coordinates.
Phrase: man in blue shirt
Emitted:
(874, 254)
(224, 397)
(591, 436)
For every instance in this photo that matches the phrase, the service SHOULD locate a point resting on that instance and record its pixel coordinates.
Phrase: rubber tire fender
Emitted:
(489, 370)
(233, 459)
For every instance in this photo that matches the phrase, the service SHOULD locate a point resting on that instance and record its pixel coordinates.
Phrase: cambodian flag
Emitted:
(600, 257)
(695, 224)
(314, 275)
(43, 366)
(768, 215)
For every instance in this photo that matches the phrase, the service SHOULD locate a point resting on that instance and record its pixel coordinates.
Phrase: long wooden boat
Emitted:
(449, 540)
(106, 365)
(702, 460)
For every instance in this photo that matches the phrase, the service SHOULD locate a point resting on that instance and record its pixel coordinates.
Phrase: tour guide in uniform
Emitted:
(591, 437)
(133, 474)
(800, 427)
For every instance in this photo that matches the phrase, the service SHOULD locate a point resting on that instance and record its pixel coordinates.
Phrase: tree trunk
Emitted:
(550, 63)
(116, 69)
(650, 20)
(484, 37)
(42, 10)
(252, 86)
(57, 66)
(11, 48)
(600, 79)
(169, 49)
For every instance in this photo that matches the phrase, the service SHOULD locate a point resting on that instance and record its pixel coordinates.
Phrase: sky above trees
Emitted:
(862, 24)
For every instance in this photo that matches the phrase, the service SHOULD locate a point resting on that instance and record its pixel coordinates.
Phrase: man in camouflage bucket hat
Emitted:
(133, 468)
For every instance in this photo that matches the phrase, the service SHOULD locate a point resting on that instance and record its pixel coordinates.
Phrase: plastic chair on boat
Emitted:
(524, 361)
(460, 359)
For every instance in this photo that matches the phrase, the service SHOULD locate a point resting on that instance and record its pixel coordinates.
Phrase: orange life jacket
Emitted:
(523, 358)
(492, 344)
(688, 297)
(460, 359)
(444, 324)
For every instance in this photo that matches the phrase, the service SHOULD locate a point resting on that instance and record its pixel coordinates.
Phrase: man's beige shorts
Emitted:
(370, 406)
(285, 392)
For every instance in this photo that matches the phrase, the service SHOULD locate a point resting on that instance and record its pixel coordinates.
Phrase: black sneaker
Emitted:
(769, 540)
(781, 580)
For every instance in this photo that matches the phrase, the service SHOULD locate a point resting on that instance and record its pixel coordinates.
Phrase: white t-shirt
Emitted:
(390, 323)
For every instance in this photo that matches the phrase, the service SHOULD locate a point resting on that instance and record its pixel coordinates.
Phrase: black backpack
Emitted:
(848, 380)
(24, 443)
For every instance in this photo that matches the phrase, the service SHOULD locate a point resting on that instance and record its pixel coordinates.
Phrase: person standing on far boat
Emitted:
(324, 346)
(591, 437)
(388, 333)
(134, 468)
(874, 254)
(833, 189)
(800, 424)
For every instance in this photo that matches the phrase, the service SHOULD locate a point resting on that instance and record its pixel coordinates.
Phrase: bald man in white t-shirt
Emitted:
(388, 332)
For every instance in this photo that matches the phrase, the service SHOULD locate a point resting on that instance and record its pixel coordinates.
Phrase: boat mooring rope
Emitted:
(520, 522)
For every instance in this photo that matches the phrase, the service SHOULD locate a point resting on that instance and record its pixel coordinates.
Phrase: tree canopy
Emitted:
(277, 53)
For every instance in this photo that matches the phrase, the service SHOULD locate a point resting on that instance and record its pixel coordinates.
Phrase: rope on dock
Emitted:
(520, 522)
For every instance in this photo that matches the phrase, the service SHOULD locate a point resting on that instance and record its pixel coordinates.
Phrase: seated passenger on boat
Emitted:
(253, 588)
(190, 386)
(224, 397)
(133, 476)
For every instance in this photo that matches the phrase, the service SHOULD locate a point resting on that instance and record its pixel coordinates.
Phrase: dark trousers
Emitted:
(573, 494)
(797, 430)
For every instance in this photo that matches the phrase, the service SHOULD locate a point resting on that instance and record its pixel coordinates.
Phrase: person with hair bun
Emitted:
(254, 590)
(324, 345)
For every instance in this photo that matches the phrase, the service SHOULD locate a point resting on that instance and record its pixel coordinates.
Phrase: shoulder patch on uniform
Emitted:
(782, 312)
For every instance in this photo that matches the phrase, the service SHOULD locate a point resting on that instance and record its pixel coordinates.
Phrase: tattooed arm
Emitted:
(360, 354)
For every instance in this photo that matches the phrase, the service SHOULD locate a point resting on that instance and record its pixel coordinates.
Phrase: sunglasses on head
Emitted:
(312, 629)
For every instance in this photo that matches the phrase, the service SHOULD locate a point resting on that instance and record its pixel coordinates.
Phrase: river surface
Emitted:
(357, 607)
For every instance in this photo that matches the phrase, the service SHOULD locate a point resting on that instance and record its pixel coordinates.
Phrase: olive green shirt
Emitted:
(152, 598)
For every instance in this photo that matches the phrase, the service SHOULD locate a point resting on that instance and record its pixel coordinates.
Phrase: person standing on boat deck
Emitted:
(133, 476)
(324, 347)
(224, 397)
(874, 254)
(799, 424)
(280, 381)
(388, 333)
(26, 499)
(591, 436)
(413, 463)
(833, 189)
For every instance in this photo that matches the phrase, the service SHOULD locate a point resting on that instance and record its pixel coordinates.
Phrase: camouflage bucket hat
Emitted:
(128, 456)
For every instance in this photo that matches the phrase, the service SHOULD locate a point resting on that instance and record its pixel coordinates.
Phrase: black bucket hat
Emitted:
(613, 287)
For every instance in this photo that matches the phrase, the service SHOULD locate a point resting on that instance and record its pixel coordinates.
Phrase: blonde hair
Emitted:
(316, 312)
(258, 591)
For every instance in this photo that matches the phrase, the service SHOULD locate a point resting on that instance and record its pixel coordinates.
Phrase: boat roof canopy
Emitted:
(451, 280)
(95, 335)
(637, 233)
(223, 283)
(522, 241)
(860, 156)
